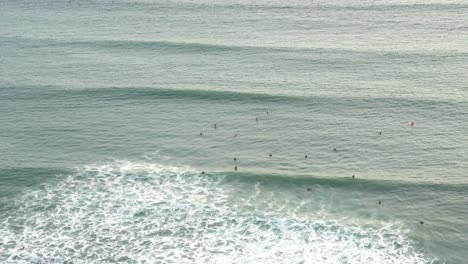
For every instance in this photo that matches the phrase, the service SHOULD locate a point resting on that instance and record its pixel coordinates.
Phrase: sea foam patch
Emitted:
(149, 213)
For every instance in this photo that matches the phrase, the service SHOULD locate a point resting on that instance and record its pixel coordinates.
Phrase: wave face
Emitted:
(139, 212)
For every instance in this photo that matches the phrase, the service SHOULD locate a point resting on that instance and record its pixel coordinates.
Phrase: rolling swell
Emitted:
(199, 48)
(134, 93)
(159, 45)
(149, 93)
(34, 176)
(136, 45)
(347, 183)
(206, 95)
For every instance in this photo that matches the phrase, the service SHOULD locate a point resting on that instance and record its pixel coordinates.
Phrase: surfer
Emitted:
(380, 202)
(309, 189)
(235, 159)
(305, 156)
(201, 133)
(203, 172)
(215, 126)
(256, 119)
(422, 222)
(380, 133)
(412, 123)
(353, 176)
(271, 155)
(235, 168)
(334, 149)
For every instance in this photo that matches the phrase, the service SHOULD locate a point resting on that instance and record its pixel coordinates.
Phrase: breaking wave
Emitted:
(141, 212)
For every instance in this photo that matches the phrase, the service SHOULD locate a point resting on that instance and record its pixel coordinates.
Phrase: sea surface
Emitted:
(143, 131)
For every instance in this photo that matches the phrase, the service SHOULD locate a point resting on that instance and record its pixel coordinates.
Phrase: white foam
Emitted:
(148, 213)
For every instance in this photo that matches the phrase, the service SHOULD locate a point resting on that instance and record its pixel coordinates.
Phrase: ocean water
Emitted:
(102, 104)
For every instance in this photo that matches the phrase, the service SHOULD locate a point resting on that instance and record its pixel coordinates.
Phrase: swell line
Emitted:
(342, 182)
(199, 47)
(33, 175)
(134, 93)
(149, 93)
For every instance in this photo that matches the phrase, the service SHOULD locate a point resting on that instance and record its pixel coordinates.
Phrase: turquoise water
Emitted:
(102, 104)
